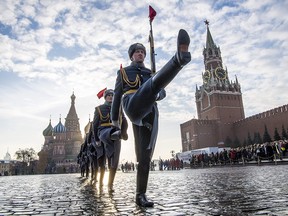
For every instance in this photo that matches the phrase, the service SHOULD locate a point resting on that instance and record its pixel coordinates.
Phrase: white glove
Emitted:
(98, 143)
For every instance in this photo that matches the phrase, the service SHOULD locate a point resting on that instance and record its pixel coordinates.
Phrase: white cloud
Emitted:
(252, 36)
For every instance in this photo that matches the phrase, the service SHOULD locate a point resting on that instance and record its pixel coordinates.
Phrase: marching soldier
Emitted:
(92, 153)
(106, 147)
(138, 90)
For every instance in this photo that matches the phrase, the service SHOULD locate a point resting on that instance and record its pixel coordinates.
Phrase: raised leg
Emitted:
(139, 104)
(182, 57)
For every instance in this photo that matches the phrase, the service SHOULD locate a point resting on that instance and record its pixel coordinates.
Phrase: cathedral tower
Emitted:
(73, 132)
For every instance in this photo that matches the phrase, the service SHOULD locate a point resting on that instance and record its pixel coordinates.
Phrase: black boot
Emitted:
(183, 41)
(87, 171)
(124, 127)
(120, 134)
(93, 178)
(141, 200)
(102, 172)
(142, 180)
(116, 135)
(95, 169)
(112, 173)
(182, 57)
(94, 175)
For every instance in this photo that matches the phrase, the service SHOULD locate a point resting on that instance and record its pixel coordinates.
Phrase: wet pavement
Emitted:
(248, 190)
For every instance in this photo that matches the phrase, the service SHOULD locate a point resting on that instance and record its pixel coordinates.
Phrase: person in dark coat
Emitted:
(92, 153)
(137, 90)
(106, 147)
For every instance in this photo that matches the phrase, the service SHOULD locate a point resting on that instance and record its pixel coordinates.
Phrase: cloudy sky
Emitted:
(48, 49)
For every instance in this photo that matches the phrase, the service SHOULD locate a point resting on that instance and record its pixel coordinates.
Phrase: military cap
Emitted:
(107, 92)
(134, 47)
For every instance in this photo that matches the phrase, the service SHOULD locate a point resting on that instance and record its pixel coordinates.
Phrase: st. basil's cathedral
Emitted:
(61, 143)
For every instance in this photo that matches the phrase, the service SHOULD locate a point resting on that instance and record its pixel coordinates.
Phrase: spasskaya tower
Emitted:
(221, 121)
(218, 98)
(218, 101)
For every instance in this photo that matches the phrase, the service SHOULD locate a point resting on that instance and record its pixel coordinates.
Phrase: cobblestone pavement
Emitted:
(211, 191)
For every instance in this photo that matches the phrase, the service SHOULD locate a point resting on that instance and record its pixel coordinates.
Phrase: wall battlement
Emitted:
(264, 115)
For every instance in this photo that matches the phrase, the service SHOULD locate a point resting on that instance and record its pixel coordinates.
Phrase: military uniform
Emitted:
(105, 146)
(92, 150)
(137, 90)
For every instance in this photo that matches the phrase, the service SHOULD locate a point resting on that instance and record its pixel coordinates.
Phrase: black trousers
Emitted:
(142, 137)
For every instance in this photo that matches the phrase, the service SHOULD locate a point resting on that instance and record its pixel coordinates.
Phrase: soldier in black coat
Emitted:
(106, 147)
(137, 90)
(92, 152)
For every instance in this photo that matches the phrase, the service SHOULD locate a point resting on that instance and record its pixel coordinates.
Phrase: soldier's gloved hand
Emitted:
(98, 143)
(116, 124)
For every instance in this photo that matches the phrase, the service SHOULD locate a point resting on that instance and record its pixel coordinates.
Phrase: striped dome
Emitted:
(49, 130)
(59, 128)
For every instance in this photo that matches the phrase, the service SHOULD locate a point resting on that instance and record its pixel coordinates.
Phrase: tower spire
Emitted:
(209, 39)
(72, 121)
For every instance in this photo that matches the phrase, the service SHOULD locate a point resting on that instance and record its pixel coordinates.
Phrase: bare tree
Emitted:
(26, 155)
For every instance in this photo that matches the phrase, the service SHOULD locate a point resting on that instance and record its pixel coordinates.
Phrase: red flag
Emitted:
(101, 93)
(152, 13)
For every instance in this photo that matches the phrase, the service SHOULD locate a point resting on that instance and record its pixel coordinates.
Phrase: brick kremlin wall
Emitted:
(273, 118)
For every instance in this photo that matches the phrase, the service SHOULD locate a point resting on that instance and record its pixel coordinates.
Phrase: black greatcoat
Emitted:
(133, 89)
(103, 128)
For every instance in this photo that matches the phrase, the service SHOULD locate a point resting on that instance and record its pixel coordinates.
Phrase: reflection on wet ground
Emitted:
(253, 190)
(229, 190)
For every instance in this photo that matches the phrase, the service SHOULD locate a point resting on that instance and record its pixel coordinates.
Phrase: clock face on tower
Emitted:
(206, 76)
(220, 73)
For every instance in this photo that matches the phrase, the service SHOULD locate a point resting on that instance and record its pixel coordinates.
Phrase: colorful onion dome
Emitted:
(59, 128)
(49, 130)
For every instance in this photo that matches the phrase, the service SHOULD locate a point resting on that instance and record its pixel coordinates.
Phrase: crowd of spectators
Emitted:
(256, 152)
(171, 164)
(127, 167)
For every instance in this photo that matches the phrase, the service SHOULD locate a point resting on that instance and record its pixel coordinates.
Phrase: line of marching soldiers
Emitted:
(137, 90)
(102, 143)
